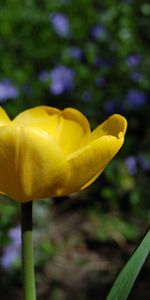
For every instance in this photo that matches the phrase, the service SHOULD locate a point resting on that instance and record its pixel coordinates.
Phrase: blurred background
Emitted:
(93, 56)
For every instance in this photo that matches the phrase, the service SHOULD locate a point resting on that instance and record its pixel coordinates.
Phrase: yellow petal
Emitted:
(4, 119)
(32, 164)
(92, 180)
(74, 130)
(86, 164)
(43, 117)
(112, 126)
(35, 116)
(69, 127)
(47, 152)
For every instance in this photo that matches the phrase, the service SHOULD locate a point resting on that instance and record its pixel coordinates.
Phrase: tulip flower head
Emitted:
(45, 152)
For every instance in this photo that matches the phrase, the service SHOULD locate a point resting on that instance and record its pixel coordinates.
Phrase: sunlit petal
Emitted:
(47, 152)
(86, 163)
(4, 119)
(69, 127)
(74, 131)
(31, 163)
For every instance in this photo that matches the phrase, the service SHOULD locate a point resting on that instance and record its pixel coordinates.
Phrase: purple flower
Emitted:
(136, 76)
(101, 62)
(15, 235)
(44, 76)
(7, 90)
(62, 80)
(113, 106)
(100, 81)
(109, 106)
(98, 32)
(13, 251)
(75, 52)
(144, 162)
(131, 164)
(87, 96)
(133, 60)
(60, 24)
(135, 99)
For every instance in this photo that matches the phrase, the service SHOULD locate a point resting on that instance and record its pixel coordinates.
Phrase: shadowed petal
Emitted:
(112, 126)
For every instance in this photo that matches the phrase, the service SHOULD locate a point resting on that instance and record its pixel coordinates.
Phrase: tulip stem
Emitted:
(27, 252)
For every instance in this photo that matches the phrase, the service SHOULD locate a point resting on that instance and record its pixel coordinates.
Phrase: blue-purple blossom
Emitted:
(87, 96)
(12, 251)
(44, 76)
(136, 76)
(133, 60)
(113, 106)
(131, 164)
(75, 52)
(135, 99)
(101, 62)
(60, 24)
(144, 162)
(27, 89)
(109, 106)
(98, 32)
(62, 80)
(7, 90)
(100, 81)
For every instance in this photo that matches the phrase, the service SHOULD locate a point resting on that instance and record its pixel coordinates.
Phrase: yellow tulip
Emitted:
(47, 152)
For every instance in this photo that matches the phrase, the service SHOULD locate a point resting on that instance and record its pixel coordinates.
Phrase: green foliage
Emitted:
(8, 212)
(128, 275)
(111, 227)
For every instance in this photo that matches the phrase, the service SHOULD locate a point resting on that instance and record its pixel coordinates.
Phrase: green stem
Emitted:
(27, 252)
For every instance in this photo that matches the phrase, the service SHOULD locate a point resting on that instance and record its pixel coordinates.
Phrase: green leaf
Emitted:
(126, 278)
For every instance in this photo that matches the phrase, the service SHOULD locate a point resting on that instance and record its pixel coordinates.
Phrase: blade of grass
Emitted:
(126, 278)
